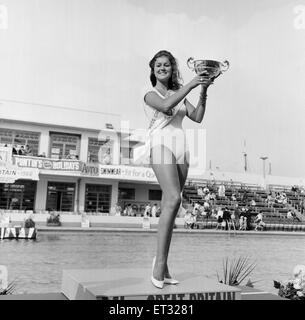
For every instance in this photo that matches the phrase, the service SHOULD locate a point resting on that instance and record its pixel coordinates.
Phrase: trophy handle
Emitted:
(190, 63)
(224, 66)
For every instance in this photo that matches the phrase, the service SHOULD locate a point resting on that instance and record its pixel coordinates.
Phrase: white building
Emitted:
(78, 161)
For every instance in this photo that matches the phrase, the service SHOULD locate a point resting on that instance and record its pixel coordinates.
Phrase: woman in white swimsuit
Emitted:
(169, 156)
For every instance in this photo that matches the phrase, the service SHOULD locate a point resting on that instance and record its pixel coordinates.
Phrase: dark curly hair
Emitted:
(175, 82)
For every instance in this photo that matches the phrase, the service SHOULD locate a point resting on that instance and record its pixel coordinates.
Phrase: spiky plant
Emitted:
(10, 288)
(236, 270)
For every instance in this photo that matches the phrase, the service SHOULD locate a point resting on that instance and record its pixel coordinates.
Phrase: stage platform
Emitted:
(135, 284)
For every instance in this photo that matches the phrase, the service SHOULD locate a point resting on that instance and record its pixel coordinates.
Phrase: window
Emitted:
(97, 198)
(155, 195)
(126, 193)
(60, 196)
(100, 151)
(127, 152)
(20, 138)
(18, 196)
(64, 146)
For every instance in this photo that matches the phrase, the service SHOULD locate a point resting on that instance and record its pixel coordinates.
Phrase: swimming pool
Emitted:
(37, 265)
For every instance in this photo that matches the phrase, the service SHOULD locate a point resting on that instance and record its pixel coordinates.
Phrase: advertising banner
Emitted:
(47, 163)
(119, 172)
(11, 173)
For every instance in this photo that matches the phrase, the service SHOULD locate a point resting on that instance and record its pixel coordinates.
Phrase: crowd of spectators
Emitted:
(237, 215)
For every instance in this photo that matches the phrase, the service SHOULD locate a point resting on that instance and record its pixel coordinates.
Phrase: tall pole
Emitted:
(245, 156)
(264, 167)
(245, 166)
(270, 168)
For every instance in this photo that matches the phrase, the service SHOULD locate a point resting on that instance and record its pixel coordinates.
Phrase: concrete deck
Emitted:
(247, 293)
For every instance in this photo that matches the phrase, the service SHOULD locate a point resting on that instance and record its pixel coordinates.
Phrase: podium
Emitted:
(135, 284)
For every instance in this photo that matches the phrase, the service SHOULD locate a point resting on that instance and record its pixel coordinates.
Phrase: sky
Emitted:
(94, 55)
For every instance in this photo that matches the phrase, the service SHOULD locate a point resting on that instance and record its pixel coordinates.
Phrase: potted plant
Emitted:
(236, 270)
(54, 220)
(293, 289)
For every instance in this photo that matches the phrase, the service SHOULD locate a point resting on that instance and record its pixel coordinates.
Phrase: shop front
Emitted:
(60, 196)
(97, 198)
(17, 185)
(19, 195)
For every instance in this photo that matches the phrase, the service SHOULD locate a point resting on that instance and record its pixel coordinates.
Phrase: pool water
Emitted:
(37, 265)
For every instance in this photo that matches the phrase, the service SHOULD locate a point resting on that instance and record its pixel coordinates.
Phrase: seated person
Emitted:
(29, 222)
(200, 192)
(189, 220)
(289, 214)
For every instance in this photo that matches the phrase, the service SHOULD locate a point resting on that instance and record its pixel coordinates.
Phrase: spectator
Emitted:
(125, 211)
(269, 200)
(243, 223)
(158, 212)
(29, 222)
(117, 210)
(226, 218)
(147, 211)
(189, 219)
(236, 215)
(253, 203)
(212, 198)
(259, 222)
(154, 210)
(289, 214)
(243, 219)
(28, 151)
(14, 150)
(206, 190)
(200, 192)
(222, 191)
(21, 151)
(248, 216)
(196, 207)
(206, 208)
(219, 218)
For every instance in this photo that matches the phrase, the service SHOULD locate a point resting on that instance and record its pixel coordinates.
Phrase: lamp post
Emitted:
(245, 166)
(264, 167)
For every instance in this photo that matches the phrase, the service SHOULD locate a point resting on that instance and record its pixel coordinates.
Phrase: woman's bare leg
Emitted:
(166, 171)
(182, 173)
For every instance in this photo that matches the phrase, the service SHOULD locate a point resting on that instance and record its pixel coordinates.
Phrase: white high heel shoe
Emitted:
(157, 283)
(170, 281)
(166, 280)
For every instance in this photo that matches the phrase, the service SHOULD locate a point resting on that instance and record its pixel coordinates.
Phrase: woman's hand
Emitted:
(203, 80)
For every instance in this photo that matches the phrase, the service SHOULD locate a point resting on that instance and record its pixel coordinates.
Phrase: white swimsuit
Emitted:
(170, 132)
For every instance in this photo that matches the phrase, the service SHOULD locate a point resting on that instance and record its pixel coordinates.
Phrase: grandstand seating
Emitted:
(275, 213)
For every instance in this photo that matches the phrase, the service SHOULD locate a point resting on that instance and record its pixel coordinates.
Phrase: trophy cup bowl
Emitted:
(213, 67)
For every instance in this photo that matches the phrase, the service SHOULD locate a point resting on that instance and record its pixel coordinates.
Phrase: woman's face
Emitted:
(163, 69)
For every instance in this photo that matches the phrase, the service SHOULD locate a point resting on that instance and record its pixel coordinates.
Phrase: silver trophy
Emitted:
(214, 68)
